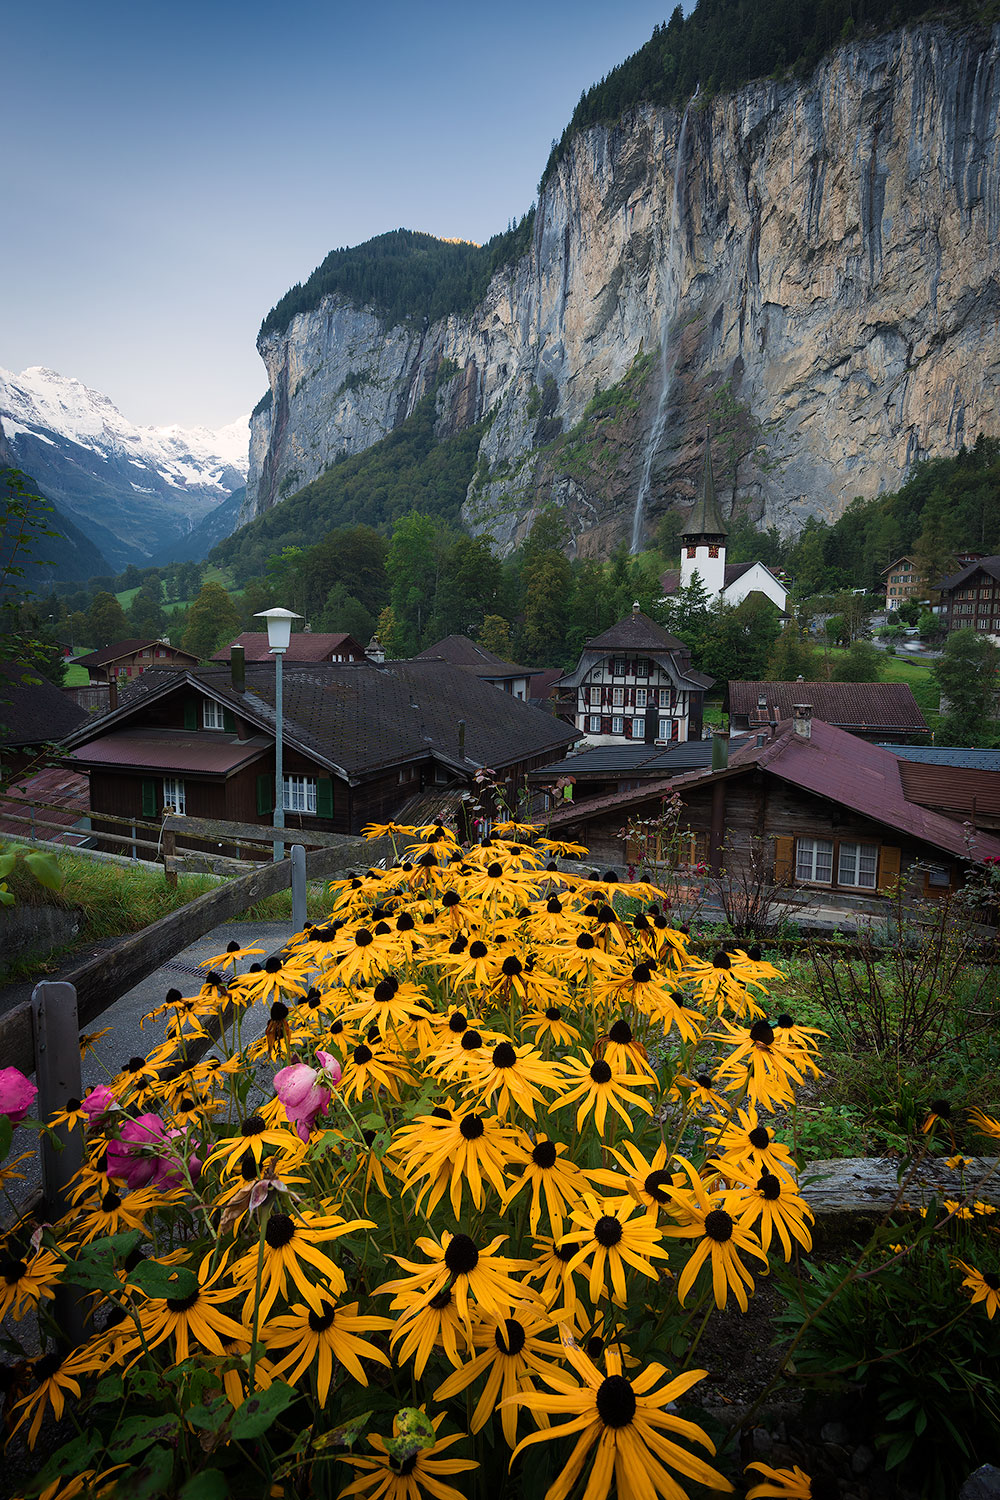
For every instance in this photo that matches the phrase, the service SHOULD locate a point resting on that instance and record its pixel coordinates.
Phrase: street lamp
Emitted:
(279, 631)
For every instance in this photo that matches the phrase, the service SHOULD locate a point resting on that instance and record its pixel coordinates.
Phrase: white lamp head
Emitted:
(279, 626)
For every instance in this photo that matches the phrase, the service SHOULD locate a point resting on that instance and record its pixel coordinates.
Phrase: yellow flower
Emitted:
(24, 1283)
(599, 1086)
(984, 1286)
(467, 1148)
(457, 1260)
(319, 1337)
(196, 1317)
(614, 1234)
(511, 1355)
(714, 1217)
(778, 1206)
(291, 1253)
(386, 1478)
(511, 1076)
(57, 1377)
(545, 1167)
(789, 1484)
(436, 1325)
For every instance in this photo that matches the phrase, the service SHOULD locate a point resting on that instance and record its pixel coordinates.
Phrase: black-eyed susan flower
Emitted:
(622, 1049)
(984, 1286)
(774, 1203)
(367, 1070)
(234, 954)
(26, 1280)
(392, 1005)
(938, 1114)
(984, 1123)
(511, 1355)
(550, 1022)
(598, 1085)
(646, 1180)
(790, 1484)
(745, 1148)
(546, 1167)
(436, 1325)
(627, 1420)
(71, 1115)
(113, 1212)
(291, 1254)
(714, 1219)
(468, 1149)
(422, 1473)
(255, 1136)
(615, 1233)
(195, 1318)
(316, 1338)
(757, 1065)
(56, 1375)
(511, 1076)
(457, 1260)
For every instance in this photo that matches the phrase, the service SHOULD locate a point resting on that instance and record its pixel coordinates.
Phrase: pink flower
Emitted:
(98, 1102)
(131, 1158)
(17, 1094)
(300, 1089)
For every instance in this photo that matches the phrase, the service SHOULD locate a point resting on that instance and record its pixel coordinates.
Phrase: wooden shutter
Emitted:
(324, 797)
(152, 798)
(784, 861)
(191, 714)
(888, 867)
(228, 722)
(265, 795)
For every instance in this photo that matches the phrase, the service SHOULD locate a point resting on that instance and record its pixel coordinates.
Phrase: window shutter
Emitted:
(190, 714)
(228, 722)
(784, 861)
(324, 797)
(888, 867)
(152, 799)
(265, 795)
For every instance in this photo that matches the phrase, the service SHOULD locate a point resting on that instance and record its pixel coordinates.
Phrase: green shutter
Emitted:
(152, 799)
(191, 714)
(228, 722)
(324, 797)
(265, 795)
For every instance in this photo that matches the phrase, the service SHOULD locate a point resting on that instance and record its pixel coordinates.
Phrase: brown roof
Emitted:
(989, 565)
(56, 787)
(36, 712)
(959, 789)
(461, 651)
(637, 632)
(304, 645)
(170, 750)
(118, 649)
(848, 705)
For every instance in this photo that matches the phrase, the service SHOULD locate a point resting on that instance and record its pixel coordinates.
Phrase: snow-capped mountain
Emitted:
(136, 490)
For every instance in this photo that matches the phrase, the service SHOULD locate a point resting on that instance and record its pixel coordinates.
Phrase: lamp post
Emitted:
(279, 630)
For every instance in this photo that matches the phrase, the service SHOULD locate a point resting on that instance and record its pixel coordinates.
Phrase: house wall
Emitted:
(609, 695)
(974, 606)
(760, 581)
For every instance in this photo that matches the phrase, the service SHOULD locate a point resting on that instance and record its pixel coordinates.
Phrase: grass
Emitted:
(210, 574)
(76, 677)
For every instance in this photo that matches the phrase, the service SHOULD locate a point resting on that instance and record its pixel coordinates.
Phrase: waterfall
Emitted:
(668, 351)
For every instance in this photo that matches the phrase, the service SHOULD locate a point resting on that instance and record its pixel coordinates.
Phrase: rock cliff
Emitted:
(823, 261)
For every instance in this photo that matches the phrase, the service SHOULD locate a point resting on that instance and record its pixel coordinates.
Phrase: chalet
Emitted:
(877, 711)
(635, 682)
(460, 651)
(304, 645)
(833, 809)
(33, 715)
(609, 769)
(703, 552)
(359, 740)
(132, 658)
(970, 598)
(902, 582)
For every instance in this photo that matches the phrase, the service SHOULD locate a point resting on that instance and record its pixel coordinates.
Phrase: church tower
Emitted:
(703, 540)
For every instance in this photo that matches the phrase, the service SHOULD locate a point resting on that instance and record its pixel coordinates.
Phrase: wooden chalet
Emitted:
(883, 712)
(131, 658)
(304, 645)
(970, 598)
(359, 741)
(834, 809)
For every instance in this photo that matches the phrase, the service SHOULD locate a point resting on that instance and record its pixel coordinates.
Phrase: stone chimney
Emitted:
(635, 609)
(238, 669)
(803, 717)
(375, 651)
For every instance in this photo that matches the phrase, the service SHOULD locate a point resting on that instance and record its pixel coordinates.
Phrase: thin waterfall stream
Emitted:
(668, 349)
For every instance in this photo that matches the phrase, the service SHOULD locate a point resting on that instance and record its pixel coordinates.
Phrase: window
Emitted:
(594, 725)
(618, 667)
(642, 667)
(617, 697)
(664, 733)
(173, 794)
(617, 726)
(938, 877)
(638, 728)
(211, 714)
(857, 864)
(814, 860)
(664, 697)
(640, 697)
(299, 793)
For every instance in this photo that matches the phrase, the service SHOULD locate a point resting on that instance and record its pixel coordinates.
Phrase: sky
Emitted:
(171, 170)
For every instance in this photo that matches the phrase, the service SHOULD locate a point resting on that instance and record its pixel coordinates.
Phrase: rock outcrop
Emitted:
(833, 304)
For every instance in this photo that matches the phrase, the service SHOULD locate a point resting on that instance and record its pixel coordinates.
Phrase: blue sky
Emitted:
(172, 170)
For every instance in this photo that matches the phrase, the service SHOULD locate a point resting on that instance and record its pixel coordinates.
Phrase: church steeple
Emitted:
(705, 524)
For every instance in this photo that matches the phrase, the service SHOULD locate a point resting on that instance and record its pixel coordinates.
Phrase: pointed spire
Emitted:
(705, 521)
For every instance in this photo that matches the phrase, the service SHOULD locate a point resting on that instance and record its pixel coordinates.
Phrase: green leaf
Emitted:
(347, 1435)
(71, 1459)
(920, 1422)
(45, 868)
(414, 1431)
(256, 1415)
(6, 1136)
(6, 899)
(111, 1388)
(151, 1479)
(163, 1281)
(136, 1435)
(210, 1484)
(7, 863)
(211, 1416)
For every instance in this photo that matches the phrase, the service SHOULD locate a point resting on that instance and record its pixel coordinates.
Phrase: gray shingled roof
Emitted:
(462, 651)
(989, 565)
(948, 755)
(705, 518)
(34, 713)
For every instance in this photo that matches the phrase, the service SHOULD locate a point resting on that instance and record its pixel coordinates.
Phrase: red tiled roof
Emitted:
(166, 750)
(56, 787)
(304, 645)
(960, 789)
(848, 705)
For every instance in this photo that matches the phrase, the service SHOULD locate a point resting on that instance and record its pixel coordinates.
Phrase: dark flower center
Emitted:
(232, 947)
(185, 1104)
(272, 966)
(553, 1013)
(642, 974)
(719, 1226)
(785, 1020)
(181, 1304)
(459, 945)
(404, 922)
(457, 1022)
(248, 1166)
(477, 949)
(252, 1125)
(616, 1402)
(47, 1366)
(111, 1201)
(136, 1064)
(12, 1270)
(722, 961)
(471, 1040)
(363, 1055)
(761, 1031)
(770, 1186)
(585, 941)
(621, 1032)
(471, 1128)
(992, 1280)
(511, 966)
(382, 929)
(72, 1105)
(440, 1113)
(504, 1055)
(566, 1252)
(544, 1155)
(510, 1337)
(941, 1108)
(384, 991)
(440, 1300)
(427, 861)
(554, 905)
(703, 1081)
(363, 937)
(279, 1231)
(450, 898)
(608, 1231)
(495, 870)
(594, 1346)
(760, 1138)
(600, 1072)
(319, 1322)
(279, 1011)
(461, 1256)
(653, 1185)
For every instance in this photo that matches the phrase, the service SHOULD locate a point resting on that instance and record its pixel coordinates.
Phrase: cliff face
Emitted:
(824, 263)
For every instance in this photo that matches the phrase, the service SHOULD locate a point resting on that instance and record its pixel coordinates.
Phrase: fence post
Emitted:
(169, 850)
(298, 887)
(56, 1028)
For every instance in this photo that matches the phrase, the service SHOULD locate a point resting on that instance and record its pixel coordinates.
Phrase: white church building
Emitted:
(703, 551)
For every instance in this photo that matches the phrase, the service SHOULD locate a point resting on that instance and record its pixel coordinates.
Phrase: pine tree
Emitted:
(213, 620)
(968, 674)
(106, 621)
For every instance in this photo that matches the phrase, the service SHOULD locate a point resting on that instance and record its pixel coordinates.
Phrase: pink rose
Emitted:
(170, 1173)
(98, 1102)
(130, 1157)
(300, 1089)
(17, 1094)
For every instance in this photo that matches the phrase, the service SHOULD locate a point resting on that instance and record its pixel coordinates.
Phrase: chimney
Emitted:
(720, 751)
(375, 651)
(803, 716)
(112, 692)
(762, 703)
(635, 609)
(761, 741)
(461, 739)
(238, 669)
(307, 628)
(651, 724)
